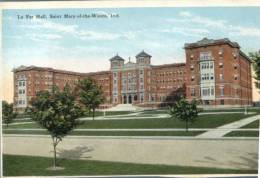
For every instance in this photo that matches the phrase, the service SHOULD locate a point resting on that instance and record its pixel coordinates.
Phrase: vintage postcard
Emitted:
(146, 90)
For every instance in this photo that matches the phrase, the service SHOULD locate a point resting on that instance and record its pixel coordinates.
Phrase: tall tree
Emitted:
(8, 113)
(184, 111)
(255, 57)
(90, 94)
(57, 112)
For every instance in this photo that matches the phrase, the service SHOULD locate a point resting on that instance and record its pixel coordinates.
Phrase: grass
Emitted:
(203, 121)
(112, 133)
(14, 165)
(243, 134)
(253, 125)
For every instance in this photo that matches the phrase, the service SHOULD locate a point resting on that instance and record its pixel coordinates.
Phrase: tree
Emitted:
(57, 112)
(255, 57)
(184, 111)
(90, 94)
(8, 113)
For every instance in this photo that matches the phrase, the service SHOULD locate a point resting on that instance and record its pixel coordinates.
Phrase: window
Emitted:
(191, 67)
(221, 91)
(212, 91)
(193, 92)
(211, 65)
(205, 91)
(222, 102)
(220, 65)
(115, 74)
(211, 76)
(191, 56)
(205, 56)
(221, 77)
(235, 66)
(141, 71)
(235, 77)
(192, 78)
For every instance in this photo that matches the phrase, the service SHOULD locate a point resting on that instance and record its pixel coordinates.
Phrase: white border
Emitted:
(116, 4)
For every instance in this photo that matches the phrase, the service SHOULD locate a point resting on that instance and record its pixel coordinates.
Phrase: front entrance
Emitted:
(124, 99)
(130, 99)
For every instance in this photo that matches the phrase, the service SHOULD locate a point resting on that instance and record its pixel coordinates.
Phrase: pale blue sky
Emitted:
(87, 44)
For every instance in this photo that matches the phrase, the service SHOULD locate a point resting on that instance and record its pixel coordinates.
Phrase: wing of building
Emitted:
(216, 73)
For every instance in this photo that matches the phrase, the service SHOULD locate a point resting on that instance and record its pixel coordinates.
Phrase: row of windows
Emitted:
(211, 77)
(209, 91)
(208, 55)
(207, 76)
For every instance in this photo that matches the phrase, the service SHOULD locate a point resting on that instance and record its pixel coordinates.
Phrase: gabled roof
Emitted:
(143, 54)
(116, 57)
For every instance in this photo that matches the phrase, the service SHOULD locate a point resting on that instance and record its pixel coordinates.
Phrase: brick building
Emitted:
(216, 73)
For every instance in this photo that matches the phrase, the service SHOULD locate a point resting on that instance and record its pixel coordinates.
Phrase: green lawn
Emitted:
(243, 134)
(254, 125)
(203, 121)
(113, 133)
(36, 166)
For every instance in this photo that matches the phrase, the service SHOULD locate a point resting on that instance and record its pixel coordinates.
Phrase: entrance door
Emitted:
(130, 99)
(125, 99)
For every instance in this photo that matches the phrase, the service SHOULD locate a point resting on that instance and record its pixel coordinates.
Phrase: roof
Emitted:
(27, 68)
(143, 54)
(170, 65)
(116, 57)
(210, 42)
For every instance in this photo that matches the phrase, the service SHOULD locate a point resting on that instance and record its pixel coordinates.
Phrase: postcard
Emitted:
(130, 89)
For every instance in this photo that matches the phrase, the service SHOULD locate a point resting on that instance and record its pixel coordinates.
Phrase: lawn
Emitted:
(112, 133)
(253, 125)
(203, 121)
(36, 166)
(243, 134)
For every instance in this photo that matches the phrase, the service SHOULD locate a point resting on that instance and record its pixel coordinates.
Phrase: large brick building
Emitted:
(216, 73)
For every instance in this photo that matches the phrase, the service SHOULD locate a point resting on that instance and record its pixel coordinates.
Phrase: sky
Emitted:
(87, 44)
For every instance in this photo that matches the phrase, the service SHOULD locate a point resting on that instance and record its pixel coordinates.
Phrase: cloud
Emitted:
(244, 31)
(190, 18)
(196, 32)
(43, 37)
(185, 14)
(75, 31)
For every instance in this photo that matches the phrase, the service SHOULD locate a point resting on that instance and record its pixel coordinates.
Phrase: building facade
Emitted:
(216, 73)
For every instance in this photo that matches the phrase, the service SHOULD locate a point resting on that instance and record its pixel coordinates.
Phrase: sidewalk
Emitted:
(223, 130)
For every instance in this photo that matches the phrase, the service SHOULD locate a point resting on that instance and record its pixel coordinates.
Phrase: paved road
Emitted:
(219, 153)
(223, 130)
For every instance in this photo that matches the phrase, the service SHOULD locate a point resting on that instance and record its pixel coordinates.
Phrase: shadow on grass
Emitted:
(75, 153)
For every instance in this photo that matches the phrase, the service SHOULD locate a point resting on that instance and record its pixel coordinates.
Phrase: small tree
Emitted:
(90, 94)
(57, 112)
(255, 57)
(8, 113)
(184, 111)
